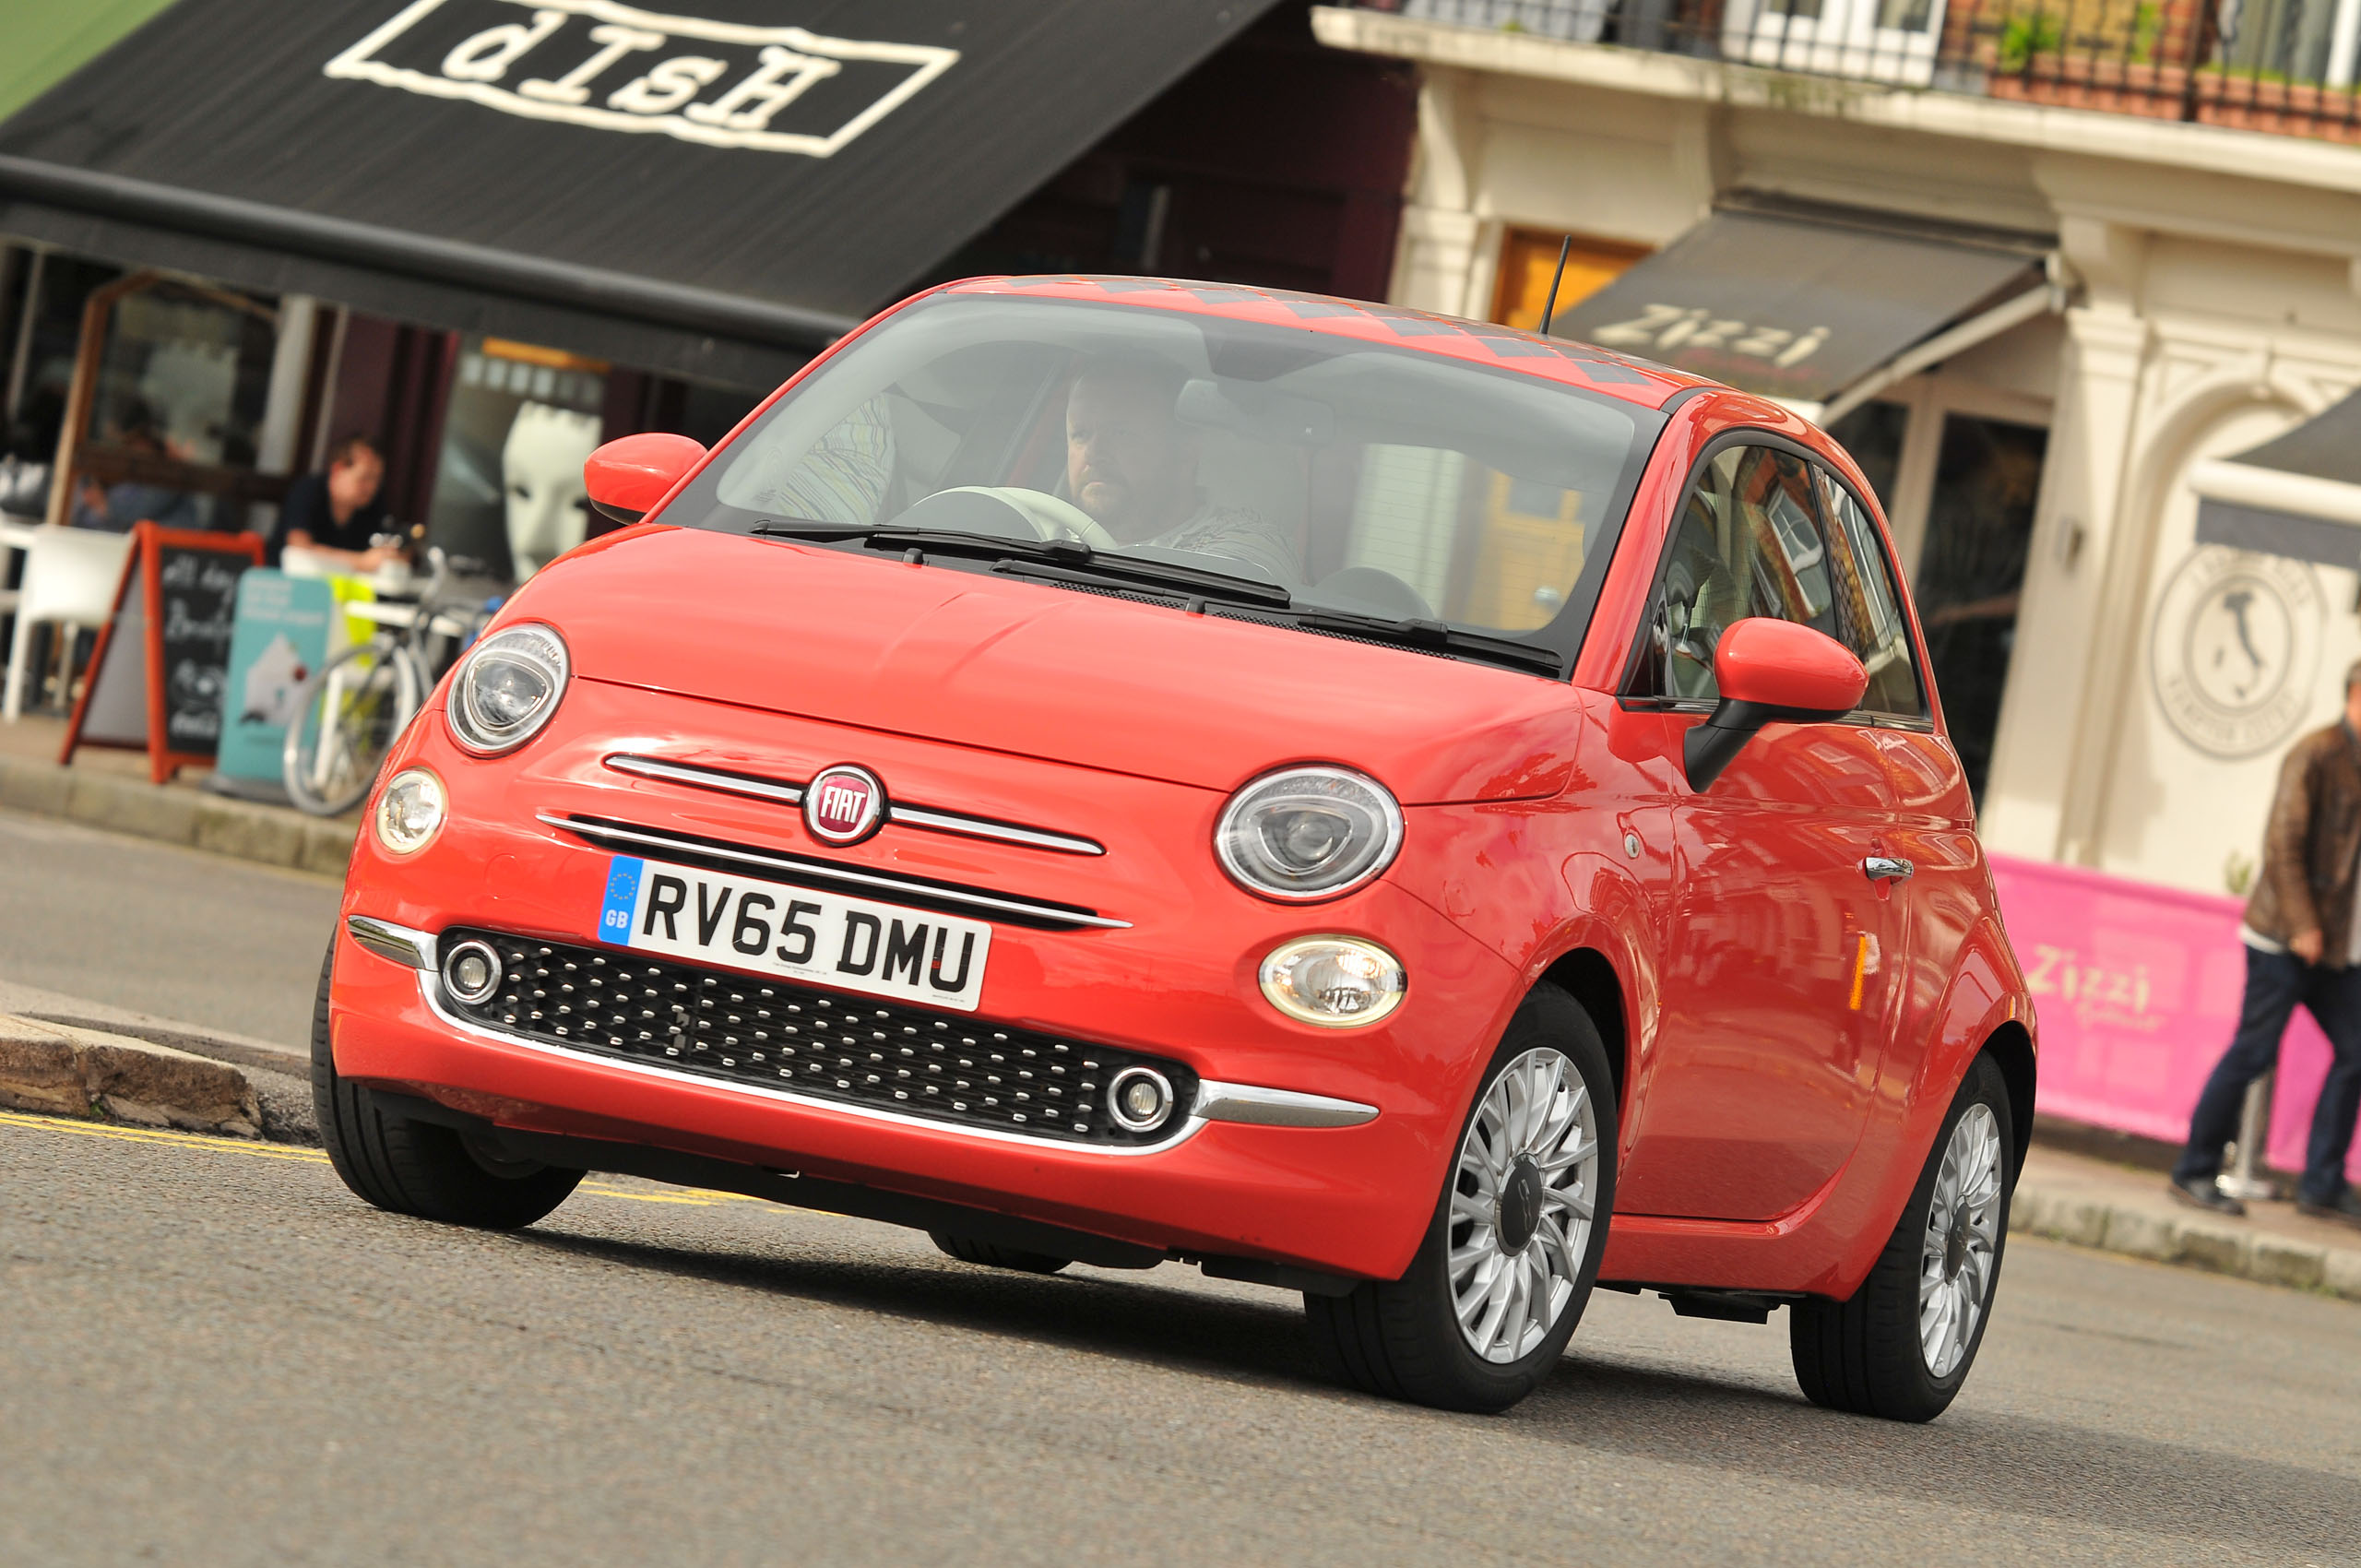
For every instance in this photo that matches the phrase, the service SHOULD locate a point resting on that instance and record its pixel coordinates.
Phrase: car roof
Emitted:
(1550, 359)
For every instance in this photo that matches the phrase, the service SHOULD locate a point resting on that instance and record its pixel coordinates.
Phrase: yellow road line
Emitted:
(121, 1133)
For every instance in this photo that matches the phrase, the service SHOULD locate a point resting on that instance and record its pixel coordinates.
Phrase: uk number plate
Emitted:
(795, 933)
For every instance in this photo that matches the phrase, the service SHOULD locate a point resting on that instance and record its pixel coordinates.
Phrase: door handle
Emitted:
(1887, 867)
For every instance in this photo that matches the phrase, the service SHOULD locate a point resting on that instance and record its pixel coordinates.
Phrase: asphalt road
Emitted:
(213, 1354)
(162, 930)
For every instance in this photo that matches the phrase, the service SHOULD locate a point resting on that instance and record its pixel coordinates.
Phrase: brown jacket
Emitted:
(2311, 847)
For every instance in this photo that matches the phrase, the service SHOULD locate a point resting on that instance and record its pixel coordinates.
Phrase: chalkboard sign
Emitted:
(157, 672)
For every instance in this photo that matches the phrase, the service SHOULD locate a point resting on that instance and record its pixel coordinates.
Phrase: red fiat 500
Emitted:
(1391, 807)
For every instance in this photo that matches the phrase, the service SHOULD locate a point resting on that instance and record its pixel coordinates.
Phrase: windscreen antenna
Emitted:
(1550, 305)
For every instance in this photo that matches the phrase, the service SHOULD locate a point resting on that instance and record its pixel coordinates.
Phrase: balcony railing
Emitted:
(2283, 66)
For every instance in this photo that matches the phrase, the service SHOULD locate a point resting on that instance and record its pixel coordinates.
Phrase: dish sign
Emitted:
(162, 657)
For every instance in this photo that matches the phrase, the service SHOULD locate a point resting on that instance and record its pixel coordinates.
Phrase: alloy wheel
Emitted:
(1523, 1202)
(1957, 1258)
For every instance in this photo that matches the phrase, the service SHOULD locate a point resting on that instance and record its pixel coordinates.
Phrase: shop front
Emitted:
(483, 235)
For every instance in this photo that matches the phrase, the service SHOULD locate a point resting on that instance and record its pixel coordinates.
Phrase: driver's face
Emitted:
(1128, 463)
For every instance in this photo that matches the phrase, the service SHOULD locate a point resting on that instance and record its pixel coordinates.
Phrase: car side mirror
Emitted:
(628, 475)
(1770, 671)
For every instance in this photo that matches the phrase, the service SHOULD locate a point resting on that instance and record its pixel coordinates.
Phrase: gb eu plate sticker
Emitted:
(623, 900)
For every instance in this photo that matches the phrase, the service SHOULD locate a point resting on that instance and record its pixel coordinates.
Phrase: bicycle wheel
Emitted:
(346, 721)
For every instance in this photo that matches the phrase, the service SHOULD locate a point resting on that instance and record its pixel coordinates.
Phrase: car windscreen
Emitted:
(1360, 478)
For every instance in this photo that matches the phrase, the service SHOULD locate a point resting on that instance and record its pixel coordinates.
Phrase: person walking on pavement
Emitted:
(2303, 941)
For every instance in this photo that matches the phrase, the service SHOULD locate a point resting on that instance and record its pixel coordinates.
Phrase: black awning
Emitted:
(2297, 495)
(1800, 304)
(716, 194)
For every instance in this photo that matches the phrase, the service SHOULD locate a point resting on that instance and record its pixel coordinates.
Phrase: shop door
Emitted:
(1776, 1007)
(1970, 571)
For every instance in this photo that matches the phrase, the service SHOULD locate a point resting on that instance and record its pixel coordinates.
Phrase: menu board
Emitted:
(162, 659)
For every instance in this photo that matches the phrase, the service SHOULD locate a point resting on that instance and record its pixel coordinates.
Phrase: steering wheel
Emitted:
(1049, 517)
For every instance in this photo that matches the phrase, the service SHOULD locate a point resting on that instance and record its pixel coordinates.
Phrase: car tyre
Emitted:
(967, 1249)
(1524, 1208)
(417, 1167)
(1899, 1347)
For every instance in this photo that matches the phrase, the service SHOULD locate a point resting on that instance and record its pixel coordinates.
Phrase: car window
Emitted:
(1359, 477)
(1873, 625)
(1749, 542)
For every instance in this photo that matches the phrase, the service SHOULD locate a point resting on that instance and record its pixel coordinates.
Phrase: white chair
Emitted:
(71, 578)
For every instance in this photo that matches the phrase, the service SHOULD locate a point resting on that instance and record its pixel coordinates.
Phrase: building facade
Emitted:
(2120, 691)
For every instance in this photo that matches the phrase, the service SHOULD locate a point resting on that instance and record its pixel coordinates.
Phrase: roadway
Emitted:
(216, 1355)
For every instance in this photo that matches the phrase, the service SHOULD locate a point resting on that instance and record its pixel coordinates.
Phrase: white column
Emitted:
(2084, 588)
(1436, 258)
(282, 409)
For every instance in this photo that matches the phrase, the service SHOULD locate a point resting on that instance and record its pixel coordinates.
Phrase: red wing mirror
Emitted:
(1770, 671)
(627, 477)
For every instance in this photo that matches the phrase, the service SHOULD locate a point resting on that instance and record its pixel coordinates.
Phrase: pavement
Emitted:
(2122, 1209)
(114, 790)
(216, 1355)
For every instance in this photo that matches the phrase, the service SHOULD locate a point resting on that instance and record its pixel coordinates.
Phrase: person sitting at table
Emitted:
(338, 514)
(113, 509)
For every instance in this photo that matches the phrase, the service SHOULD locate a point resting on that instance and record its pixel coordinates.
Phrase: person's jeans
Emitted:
(2276, 983)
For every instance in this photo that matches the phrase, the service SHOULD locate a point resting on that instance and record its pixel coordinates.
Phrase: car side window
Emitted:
(1750, 542)
(1871, 618)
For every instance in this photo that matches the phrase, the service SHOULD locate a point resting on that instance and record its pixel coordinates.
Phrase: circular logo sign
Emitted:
(2236, 644)
(844, 804)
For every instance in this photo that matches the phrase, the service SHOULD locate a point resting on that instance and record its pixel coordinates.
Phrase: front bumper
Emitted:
(1247, 1173)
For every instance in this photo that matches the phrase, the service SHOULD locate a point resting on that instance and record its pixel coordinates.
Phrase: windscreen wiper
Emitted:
(1052, 560)
(1434, 636)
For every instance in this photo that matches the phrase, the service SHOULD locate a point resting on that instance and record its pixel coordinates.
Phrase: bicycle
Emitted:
(353, 709)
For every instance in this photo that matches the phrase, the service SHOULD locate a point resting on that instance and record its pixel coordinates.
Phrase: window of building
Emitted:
(1528, 260)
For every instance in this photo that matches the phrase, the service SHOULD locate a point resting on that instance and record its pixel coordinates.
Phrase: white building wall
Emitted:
(2218, 300)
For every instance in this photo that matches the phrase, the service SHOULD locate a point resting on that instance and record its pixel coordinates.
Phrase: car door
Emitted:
(1776, 1006)
(1934, 832)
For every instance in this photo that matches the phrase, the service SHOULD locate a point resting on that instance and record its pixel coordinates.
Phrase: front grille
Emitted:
(860, 1050)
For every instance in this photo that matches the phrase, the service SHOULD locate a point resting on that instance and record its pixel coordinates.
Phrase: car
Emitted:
(1404, 810)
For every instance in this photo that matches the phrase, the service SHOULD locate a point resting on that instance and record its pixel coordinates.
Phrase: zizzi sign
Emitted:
(592, 63)
(1665, 328)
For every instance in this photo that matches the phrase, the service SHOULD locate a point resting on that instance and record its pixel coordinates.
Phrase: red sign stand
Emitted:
(167, 656)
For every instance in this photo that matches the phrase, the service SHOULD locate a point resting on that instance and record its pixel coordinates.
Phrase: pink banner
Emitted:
(2136, 990)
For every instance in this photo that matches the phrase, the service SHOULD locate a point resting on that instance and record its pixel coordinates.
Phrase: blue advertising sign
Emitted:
(279, 637)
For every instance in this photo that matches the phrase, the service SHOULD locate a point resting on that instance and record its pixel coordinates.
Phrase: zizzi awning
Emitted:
(717, 195)
(1817, 307)
(2298, 495)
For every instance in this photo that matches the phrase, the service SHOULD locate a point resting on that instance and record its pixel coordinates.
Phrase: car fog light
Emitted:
(1339, 982)
(1140, 1099)
(471, 972)
(409, 811)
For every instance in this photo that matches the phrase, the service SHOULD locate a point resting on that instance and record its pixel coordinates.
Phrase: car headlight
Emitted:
(1340, 981)
(1305, 832)
(410, 810)
(507, 688)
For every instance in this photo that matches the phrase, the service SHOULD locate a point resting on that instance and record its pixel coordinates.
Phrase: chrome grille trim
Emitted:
(707, 779)
(790, 793)
(983, 827)
(794, 868)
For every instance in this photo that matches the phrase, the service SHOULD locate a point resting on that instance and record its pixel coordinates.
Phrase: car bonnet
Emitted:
(1090, 679)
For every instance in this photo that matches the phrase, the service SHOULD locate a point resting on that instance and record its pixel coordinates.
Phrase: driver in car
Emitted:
(1132, 464)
